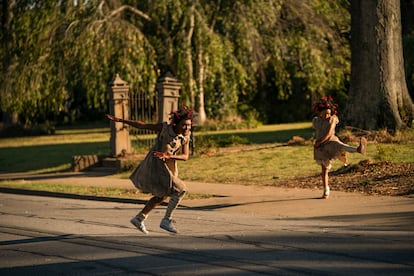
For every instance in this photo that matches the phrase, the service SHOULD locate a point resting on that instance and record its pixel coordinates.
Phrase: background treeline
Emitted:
(264, 60)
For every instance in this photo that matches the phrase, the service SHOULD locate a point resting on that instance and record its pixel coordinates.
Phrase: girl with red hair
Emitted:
(327, 146)
(157, 174)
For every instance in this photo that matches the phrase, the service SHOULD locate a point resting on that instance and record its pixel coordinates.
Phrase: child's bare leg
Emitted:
(325, 181)
(360, 149)
(348, 148)
(151, 204)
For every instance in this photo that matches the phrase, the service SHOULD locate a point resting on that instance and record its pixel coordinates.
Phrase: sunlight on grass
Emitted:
(251, 156)
(60, 137)
(100, 191)
(261, 166)
(60, 168)
(255, 166)
(264, 128)
(72, 189)
(265, 165)
(394, 152)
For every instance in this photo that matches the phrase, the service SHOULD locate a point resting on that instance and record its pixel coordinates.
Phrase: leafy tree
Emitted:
(292, 51)
(266, 59)
(30, 79)
(106, 44)
(64, 55)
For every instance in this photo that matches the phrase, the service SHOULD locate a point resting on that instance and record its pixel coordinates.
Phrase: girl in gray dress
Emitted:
(327, 146)
(158, 172)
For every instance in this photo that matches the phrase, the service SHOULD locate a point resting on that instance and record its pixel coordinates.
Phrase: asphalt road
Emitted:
(47, 235)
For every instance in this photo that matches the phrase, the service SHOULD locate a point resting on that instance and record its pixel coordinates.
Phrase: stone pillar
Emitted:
(168, 89)
(119, 106)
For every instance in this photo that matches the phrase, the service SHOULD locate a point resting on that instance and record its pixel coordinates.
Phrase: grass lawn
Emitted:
(255, 156)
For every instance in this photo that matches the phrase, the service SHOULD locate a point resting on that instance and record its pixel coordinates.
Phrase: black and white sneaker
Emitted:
(167, 224)
(139, 224)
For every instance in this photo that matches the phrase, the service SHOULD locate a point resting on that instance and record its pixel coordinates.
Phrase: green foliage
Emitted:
(258, 60)
(205, 145)
(315, 58)
(18, 130)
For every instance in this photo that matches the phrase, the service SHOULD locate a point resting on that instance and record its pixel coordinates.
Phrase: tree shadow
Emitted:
(279, 253)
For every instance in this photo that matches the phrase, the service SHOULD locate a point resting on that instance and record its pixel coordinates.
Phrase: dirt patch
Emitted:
(382, 178)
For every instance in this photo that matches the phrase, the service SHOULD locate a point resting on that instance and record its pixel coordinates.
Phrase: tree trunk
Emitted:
(189, 58)
(378, 96)
(202, 68)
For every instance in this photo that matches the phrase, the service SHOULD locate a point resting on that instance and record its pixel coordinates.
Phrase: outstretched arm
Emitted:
(137, 124)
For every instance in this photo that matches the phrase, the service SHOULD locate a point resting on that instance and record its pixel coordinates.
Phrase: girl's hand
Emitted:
(162, 155)
(113, 118)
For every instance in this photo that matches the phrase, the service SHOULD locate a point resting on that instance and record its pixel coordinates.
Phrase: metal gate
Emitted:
(143, 107)
(152, 108)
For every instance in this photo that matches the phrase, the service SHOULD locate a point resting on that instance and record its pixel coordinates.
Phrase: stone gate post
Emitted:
(119, 106)
(168, 89)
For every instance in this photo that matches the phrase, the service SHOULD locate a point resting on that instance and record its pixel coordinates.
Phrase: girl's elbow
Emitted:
(185, 157)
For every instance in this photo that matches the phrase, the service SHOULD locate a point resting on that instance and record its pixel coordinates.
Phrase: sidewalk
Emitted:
(266, 201)
(241, 230)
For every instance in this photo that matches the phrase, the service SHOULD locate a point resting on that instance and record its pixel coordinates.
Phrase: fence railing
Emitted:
(143, 107)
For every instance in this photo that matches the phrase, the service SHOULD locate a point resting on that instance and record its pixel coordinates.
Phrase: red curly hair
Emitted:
(184, 113)
(326, 103)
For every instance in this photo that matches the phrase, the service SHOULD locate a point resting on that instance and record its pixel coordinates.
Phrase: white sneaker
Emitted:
(139, 224)
(167, 224)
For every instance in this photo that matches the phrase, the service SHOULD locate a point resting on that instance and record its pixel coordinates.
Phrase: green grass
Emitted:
(261, 165)
(71, 189)
(264, 134)
(394, 152)
(257, 156)
(111, 192)
(51, 153)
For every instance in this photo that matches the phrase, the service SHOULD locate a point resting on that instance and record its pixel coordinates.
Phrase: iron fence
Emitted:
(143, 107)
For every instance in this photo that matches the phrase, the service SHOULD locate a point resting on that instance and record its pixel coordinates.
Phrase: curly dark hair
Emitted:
(184, 113)
(325, 103)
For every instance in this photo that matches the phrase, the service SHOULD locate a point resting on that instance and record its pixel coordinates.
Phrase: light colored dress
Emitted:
(157, 176)
(331, 149)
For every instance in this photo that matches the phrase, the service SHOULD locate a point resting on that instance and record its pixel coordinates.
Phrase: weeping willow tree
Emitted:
(64, 55)
(233, 57)
(102, 45)
(30, 81)
(199, 56)
(291, 52)
(82, 46)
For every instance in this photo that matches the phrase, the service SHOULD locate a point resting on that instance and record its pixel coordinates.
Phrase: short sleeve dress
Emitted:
(156, 176)
(331, 149)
